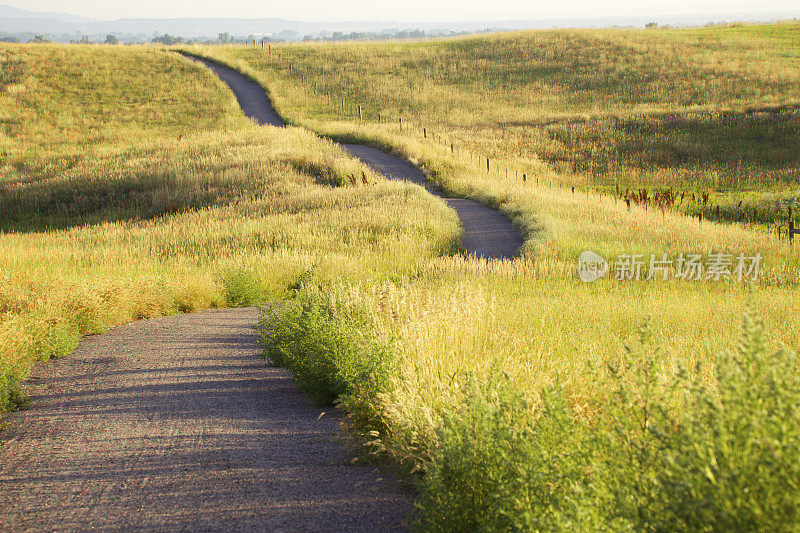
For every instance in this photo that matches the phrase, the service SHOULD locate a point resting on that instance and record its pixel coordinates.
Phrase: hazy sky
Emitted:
(399, 10)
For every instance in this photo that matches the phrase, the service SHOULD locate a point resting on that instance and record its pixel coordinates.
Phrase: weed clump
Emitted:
(327, 346)
(661, 456)
(11, 394)
(242, 288)
(733, 463)
(499, 465)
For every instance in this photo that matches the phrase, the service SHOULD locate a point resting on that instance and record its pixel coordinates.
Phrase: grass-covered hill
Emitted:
(710, 110)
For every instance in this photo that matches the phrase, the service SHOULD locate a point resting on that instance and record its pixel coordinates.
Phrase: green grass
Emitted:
(531, 76)
(67, 99)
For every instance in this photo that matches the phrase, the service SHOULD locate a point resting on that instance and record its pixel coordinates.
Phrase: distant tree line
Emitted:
(226, 38)
(167, 39)
(378, 36)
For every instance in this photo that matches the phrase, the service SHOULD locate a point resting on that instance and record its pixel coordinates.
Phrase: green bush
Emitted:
(327, 346)
(55, 340)
(733, 464)
(694, 456)
(242, 288)
(11, 394)
(628, 435)
(499, 466)
(664, 455)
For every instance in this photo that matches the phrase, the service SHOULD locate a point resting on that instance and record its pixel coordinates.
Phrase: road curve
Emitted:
(487, 232)
(175, 423)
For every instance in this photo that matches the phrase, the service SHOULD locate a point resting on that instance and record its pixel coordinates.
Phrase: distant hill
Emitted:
(65, 27)
(11, 12)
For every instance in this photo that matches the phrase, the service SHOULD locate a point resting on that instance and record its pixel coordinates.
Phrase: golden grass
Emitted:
(533, 316)
(649, 109)
(132, 226)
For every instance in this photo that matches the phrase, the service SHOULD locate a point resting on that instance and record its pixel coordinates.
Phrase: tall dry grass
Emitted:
(109, 215)
(708, 110)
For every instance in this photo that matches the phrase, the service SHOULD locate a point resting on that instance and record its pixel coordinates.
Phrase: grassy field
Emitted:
(128, 193)
(696, 111)
(518, 396)
(663, 111)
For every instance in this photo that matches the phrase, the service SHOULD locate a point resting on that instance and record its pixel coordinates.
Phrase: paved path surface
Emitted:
(176, 424)
(487, 232)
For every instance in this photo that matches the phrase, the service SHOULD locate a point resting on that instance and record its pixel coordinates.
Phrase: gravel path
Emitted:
(487, 232)
(176, 424)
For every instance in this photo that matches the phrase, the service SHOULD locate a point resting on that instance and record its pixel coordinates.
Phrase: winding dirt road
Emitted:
(176, 423)
(487, 232)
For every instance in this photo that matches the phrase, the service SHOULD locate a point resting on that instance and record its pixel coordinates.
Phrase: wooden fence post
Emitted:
(487, 164)
(792, 231)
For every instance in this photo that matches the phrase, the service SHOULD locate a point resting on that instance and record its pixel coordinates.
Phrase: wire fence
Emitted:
(706, 209)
